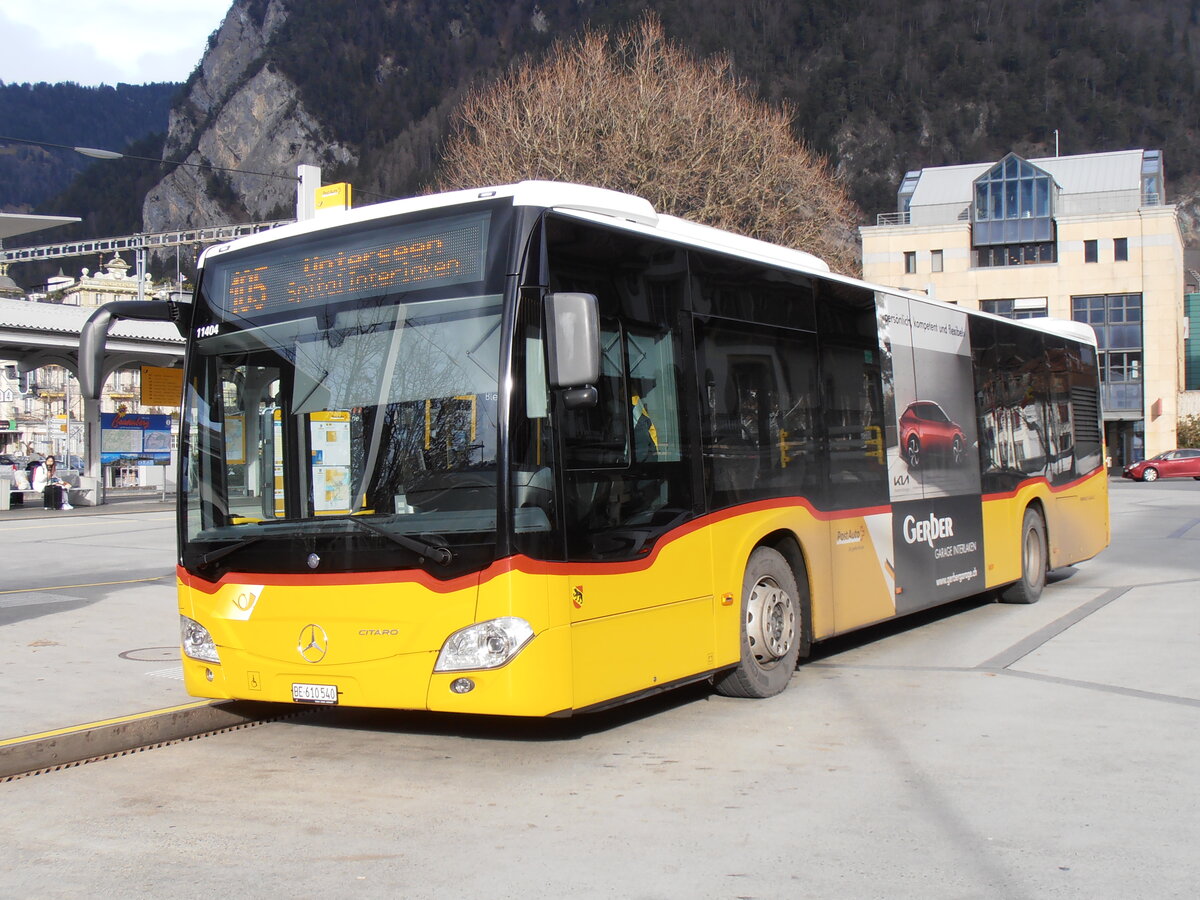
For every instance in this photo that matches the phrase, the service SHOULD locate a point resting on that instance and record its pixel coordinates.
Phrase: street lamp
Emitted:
(307, 180)
(97, 153)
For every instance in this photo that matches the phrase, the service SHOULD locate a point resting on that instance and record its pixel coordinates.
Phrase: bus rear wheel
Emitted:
(1033, 561)
(772, 628)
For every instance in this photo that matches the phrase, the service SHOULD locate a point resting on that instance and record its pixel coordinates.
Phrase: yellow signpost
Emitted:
(161, 386)
(333, 197)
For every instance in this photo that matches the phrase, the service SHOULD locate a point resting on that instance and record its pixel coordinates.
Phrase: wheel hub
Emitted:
(770, 621)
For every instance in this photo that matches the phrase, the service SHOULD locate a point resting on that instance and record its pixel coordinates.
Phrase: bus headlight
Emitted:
(197, 642)
(487, 645)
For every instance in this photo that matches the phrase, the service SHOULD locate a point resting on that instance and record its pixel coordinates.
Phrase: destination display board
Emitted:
(341, 266)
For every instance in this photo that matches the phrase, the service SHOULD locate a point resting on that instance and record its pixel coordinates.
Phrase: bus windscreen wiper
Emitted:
(440, 555)
(212, 556)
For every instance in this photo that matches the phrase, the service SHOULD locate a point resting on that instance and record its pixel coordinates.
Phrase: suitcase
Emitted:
(53, 496)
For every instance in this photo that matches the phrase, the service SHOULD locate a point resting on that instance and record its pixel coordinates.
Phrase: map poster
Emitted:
(134, 438)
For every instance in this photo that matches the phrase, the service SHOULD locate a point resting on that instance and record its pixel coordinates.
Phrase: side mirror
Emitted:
(573, 340)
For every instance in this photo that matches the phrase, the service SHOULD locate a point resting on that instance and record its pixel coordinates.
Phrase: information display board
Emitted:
(161, 386)
(132, 438)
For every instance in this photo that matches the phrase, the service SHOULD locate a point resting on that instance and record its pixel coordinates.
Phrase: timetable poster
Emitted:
(330, 435)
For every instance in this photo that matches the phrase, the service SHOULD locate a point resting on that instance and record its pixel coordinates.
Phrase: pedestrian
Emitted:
(55, 486)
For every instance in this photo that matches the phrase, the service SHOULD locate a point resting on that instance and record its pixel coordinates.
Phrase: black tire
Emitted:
(774, 627)
(912, 451)
(1033, 562)
(1151, 474)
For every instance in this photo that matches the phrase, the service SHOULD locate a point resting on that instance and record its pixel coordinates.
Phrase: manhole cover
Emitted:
(151, 654)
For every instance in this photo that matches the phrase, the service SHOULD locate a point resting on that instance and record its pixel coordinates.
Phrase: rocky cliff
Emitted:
(241, 113)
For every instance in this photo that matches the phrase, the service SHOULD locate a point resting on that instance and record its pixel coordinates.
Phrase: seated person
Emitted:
(51, 477)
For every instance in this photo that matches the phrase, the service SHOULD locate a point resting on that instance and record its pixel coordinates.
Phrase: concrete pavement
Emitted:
(982, 751)
(89, 625)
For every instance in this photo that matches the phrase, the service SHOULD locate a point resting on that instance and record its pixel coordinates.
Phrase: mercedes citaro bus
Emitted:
(535, 450)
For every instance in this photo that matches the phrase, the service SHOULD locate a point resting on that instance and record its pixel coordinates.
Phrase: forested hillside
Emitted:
(105, 116)
(879, 87)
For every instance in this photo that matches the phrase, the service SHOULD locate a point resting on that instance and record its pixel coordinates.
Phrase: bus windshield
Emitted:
(364, 426)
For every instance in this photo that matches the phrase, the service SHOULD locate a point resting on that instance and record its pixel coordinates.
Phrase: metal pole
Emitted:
(141, 267)
(308, 180)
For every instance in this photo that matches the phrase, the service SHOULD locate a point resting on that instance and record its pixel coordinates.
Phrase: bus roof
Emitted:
(612, 207)
(625, 211)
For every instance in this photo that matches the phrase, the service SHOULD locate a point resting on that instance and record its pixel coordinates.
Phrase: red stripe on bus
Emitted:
(1041, 479)
(519, 562)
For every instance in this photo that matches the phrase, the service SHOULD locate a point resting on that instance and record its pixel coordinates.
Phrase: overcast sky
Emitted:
(105, 41)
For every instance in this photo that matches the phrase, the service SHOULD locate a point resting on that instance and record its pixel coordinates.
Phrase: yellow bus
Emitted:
(536, 450)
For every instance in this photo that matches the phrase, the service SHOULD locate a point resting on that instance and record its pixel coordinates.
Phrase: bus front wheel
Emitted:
(1033, 561)
(772, 627)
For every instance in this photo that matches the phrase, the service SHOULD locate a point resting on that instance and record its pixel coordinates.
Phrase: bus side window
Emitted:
(628, 476)
(758, 389)
(616, 508)
(598, 436)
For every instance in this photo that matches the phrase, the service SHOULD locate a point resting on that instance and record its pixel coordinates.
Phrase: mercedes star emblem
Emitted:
(313, 560)
(313, 643)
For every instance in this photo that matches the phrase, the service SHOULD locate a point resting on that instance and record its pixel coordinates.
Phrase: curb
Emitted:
(50, 750)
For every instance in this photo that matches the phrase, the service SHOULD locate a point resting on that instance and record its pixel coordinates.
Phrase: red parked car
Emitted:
(1180, 463)
(926, 430)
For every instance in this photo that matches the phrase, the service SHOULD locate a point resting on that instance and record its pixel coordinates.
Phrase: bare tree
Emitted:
(639, 114)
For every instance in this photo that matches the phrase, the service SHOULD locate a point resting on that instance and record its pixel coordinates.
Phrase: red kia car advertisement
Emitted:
(1183, 463)
(926, 430)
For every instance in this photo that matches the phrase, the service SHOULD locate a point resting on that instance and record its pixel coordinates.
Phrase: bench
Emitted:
(75, 497)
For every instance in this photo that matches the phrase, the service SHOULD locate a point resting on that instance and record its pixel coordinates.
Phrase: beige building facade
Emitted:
(1089, 238)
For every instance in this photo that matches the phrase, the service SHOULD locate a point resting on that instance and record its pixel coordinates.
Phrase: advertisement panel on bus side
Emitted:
(933, 452)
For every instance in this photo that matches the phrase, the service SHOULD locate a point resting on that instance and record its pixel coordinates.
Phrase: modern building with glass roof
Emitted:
(1089, 237)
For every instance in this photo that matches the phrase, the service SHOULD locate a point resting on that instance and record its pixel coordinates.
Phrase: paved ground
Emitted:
(986, 751)
(88, 622)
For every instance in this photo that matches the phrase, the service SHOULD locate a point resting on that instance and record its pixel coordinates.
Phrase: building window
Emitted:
(935, 261)
(1013, 204)
(1091, 251)
(1124, 365)
(1121, 249)
(910, 262)
(1117, 320)
(1024, 308)
(1015, 255)
(1191, 345)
